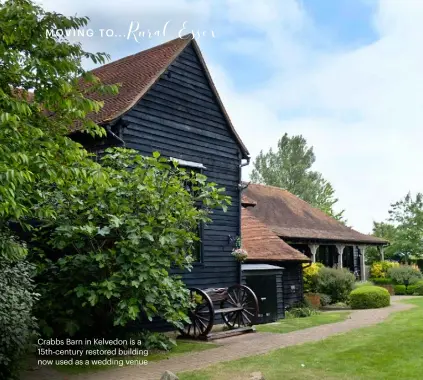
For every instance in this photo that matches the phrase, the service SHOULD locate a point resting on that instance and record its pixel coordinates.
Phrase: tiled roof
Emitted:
(262, 244)
(137, 73)
(292, 218)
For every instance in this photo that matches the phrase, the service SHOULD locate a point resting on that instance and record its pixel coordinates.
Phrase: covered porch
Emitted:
(338, 255)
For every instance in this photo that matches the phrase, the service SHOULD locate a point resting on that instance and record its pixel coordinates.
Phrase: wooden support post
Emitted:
(363, 262)
(340, 249)
(381, 252)
(313, 249)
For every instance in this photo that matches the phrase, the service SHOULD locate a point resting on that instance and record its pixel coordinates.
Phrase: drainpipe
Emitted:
(240, 206)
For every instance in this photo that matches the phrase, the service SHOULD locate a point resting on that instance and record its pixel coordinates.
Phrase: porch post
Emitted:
(313, 249)
(363, 262)
(381, 252)
(340, 249)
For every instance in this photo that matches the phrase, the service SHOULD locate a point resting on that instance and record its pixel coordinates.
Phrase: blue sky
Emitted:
(346, 74)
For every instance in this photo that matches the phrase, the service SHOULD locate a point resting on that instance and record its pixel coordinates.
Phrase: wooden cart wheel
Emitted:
(244, 304)
(202, 317)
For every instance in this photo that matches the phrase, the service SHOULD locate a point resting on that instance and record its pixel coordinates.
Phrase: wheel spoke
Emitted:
(234, 302)
(246, 317)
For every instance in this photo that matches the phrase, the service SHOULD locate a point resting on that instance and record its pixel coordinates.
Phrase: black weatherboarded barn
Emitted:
(168, 103)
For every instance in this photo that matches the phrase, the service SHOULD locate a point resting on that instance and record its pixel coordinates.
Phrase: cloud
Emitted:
(361, 109)
(360, 106)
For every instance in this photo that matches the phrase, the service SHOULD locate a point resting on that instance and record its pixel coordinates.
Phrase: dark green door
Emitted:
(264, 286)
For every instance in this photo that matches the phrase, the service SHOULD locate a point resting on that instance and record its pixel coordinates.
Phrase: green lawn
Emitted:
(388, 351)
(182, 348)
(292, 324)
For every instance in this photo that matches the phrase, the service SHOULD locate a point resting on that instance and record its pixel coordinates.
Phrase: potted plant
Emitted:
(239, 253)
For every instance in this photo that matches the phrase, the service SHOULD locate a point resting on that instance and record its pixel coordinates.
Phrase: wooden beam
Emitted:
(340, 248)
(362, 249)
(313, 249)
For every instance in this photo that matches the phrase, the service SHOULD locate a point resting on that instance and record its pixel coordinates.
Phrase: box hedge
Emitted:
(369, 297)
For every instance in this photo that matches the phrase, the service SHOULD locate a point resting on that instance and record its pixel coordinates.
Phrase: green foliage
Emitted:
(290, 168)
(387, 231)
(310, 277)
(379, 269)
(301, 312)
(405, 274)
(337, 283)
(108, 251)
(407, 214)
(152, 340)
(39, 100)
(369, 297)
(382, 281)
(16, 321)
(325, 299)
(417, 288)
(400, 290)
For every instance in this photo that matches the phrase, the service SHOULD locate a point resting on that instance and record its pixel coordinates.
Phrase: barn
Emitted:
(168, 103)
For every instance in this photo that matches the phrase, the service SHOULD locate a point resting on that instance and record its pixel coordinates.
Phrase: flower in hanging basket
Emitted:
(240, 254)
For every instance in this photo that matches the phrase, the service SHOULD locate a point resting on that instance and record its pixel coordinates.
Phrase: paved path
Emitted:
(236, 347)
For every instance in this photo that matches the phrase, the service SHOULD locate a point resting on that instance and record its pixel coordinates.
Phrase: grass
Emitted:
(388, 351)
(182, 348)
(292, 324)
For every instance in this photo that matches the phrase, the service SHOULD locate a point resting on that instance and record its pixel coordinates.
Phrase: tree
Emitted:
(407, 215)
(290, 168)
(387, 231)
(39, 100)
(104, 261)
(103, 237)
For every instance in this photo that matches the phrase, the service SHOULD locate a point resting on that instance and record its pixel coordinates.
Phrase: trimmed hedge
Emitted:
(369, 297)
(416, 289)
(382, 281)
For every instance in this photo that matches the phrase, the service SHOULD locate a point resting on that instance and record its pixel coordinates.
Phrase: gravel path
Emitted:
(234, 348)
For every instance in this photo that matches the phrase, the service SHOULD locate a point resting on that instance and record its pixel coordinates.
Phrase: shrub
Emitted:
(369, 297)
(379, 269)
(325, 299)
(399, 290)
(404, 273)
(417, 288)
(337, 283)
(382, 281)
(300, 312)
(16, 323)
(310, 277)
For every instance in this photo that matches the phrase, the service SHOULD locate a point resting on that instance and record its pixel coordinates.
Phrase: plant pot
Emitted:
(389, 288)
(313, 298)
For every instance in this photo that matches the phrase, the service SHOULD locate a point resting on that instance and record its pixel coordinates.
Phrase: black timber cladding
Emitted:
(180, 117)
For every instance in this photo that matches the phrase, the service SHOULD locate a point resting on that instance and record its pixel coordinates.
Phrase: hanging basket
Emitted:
(240, 254)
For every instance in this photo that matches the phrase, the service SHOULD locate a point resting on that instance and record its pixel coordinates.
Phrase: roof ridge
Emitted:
(302, 200)
(128, 57)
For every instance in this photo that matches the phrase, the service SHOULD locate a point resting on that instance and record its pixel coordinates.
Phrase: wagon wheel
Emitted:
(244, 299)
(202, 317)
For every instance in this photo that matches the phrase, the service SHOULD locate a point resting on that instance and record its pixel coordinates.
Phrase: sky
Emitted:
(346, 74)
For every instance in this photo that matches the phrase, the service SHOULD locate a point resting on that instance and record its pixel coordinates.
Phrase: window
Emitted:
(197, 168)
